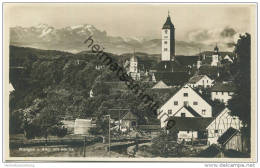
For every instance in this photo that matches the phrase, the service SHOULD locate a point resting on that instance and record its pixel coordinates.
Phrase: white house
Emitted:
(221, 123)
(185, 96)
(201, 80)
(222, 92)
(227, 57)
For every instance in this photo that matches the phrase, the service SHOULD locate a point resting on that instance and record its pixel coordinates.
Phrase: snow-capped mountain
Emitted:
(71, 38)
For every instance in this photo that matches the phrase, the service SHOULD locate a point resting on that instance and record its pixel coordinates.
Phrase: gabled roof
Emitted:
(160, 85)
(223, 87)
(179, 88)
(168, 24)
(190, 123)
(196, 78)
(226, 136)
(190, 109)
(172, 78)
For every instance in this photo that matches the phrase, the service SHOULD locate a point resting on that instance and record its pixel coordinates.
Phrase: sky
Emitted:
(135, 20)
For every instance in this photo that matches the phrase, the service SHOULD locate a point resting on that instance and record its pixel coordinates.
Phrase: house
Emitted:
(184, 102)
(228, 58)
(190, 128)
(231, 140)
(200, 80)
(82, 126)
(222, 121)
(125, 119)
(222, 92)
(160, 85)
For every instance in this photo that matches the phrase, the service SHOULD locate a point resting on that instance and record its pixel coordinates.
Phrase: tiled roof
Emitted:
(195, 78)
(170, 66)
(190, 123)
(172, 78)
(210, 71)
(226, 136)
(187, 60)
(223, 87)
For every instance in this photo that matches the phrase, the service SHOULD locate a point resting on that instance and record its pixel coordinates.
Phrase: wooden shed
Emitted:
(231, 140)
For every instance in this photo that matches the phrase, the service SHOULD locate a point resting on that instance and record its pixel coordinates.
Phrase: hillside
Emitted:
(47, 80)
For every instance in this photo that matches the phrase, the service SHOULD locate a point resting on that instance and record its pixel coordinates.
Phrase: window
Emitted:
(165, 49)
(166, 31)
(203, 112)
(186, 103)
(183, 115)
(165, 42)
(216, 131)
(175, 103)
(165, 36)
(216, 93)
(207, 81)
(185, 94)
(222, 93)
(169, 111)
(195, 103)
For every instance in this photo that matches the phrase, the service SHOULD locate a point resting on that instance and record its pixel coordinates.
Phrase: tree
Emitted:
(240, 104)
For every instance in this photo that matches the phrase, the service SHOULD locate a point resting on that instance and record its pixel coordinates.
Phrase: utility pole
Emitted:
(108, 133)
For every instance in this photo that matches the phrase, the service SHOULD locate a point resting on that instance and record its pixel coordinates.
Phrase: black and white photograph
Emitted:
(129, 82)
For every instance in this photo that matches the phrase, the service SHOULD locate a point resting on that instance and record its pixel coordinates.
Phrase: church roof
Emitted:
(168, 24)
(170, 66)
(172, 78)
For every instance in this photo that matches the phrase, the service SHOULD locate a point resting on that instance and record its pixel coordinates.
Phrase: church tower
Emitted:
(215, 57)
(168, 40)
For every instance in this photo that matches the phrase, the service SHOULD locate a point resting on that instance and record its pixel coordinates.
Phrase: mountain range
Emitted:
(71, 39)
